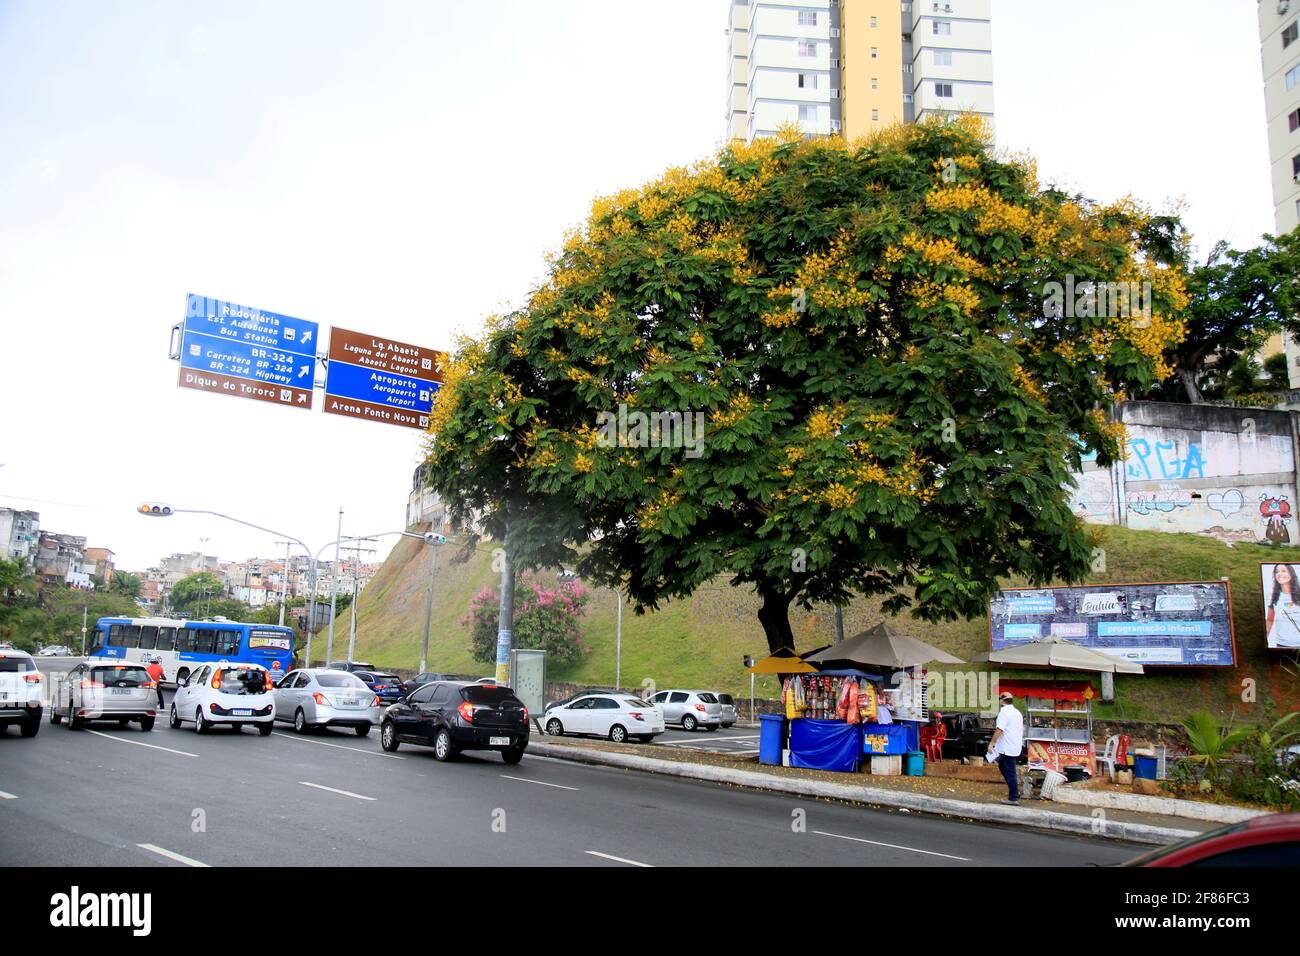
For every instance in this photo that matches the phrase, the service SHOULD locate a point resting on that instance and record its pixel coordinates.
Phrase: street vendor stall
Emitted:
(1058, 723)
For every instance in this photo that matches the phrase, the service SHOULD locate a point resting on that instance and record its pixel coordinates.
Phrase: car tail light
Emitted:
(320, 699)
(466, 711)
(149, 683)
(32, 678)
(636, 715)
(376, 702)
(216, 680)
(700, 708)
(525, 714)
(89, 684)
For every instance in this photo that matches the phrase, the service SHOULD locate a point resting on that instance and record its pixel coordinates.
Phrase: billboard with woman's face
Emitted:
(1281, 584)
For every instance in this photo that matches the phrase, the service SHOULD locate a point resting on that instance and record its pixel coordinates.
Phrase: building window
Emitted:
(807, 18)
(943, 89)
(1293, 121)
(907, 68)
(875, 83)
(873, 23)
(943, 28)
(1295, 166)
(1291, 34)
(943, 57)
(807, 48)
(807, 81)
(1293, 77)
(907, 97)
(875, 116)
(874, 53)
(808, 114)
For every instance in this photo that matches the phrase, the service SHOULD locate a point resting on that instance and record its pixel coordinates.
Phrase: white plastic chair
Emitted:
(1107, 758)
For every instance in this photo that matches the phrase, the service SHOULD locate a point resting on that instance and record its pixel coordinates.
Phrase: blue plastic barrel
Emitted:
(914, 764)
(771, 733)
(1144, 767)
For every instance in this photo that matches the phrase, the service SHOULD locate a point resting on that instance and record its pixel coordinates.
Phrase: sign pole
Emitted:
(334, 570)
(428, 612)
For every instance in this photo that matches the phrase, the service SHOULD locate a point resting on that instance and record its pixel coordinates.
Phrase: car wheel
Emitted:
(174, 721)
(363, 731)
(688, 722)
(146, 723)
(618, 734)
(513, 755)
(30, 727)
(200, 722)
(442, 746)
(265, 729)
(299, 722)
(554, 728)
(74, 722)
(55, 717)
(388, 737)
(711, 727)
(645, 738)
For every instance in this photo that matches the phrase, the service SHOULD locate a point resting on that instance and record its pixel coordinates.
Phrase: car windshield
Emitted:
(725, 699)
(120, 676)
(386, 678)
(242, 680)
(341, 679)
(16, 665)
(708, 698)
(635, 702)
(488, 694)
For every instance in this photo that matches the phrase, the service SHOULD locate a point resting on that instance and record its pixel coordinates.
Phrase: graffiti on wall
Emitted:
(1148, 461)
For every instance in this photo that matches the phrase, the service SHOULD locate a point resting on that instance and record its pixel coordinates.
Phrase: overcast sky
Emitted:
(400, 168)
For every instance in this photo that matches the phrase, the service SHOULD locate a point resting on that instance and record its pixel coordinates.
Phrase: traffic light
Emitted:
(434, 538)
(155, 509)
(748, 661)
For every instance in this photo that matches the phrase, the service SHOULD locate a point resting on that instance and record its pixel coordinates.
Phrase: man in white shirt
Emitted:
(1006, 744)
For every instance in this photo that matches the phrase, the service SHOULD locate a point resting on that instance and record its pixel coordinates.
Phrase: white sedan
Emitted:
(616, 716)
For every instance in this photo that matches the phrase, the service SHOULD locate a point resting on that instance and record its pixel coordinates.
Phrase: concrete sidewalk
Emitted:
(896, 793)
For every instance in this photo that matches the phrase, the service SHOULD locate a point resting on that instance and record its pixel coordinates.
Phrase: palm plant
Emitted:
(1209, 744)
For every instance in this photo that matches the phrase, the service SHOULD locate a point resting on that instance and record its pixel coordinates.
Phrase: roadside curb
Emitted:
(917, 803)
(1165, 806)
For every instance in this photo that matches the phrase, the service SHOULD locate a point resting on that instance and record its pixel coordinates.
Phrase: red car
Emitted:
(1272, 840)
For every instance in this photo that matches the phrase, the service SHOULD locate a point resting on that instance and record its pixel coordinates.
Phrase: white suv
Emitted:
(225, 693)
(21, 685)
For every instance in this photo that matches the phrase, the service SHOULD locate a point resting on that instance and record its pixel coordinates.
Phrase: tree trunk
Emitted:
(774, 615)
(1188, 377)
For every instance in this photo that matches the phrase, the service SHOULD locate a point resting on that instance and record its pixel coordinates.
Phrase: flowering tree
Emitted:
(892, 399)
(545, 618)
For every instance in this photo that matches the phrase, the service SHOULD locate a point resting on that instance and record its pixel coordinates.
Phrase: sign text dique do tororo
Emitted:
(381, 380)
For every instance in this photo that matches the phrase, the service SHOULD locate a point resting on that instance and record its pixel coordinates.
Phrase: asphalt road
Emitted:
(126, 797)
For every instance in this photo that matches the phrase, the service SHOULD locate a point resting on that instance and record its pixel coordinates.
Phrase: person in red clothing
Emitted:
(932, 737)
(156, 674)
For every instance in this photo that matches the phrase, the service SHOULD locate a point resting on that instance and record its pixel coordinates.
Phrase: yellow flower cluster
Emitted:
(966, 298)
(839, 497)
(581, 463)
(738, 407)
(825, 423)
(944, 252)
(1026, 381)
(697, 340)
(648, 515)
(875, 421)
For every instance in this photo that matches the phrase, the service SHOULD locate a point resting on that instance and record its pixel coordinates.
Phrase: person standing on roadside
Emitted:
(1006, 745)
(156, 674)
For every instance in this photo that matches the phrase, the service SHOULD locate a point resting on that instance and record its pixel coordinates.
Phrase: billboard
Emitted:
(1183, 623)
(1281, 594)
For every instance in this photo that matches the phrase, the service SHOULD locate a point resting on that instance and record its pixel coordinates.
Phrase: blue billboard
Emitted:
(1187, 623)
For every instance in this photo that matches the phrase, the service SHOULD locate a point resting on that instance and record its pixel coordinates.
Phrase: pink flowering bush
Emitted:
(545, 617)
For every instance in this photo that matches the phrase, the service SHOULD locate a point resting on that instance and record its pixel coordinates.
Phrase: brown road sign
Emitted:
(334, 405)
(244, 388)
(385, 355)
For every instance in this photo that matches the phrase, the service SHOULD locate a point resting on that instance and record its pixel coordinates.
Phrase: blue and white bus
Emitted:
(181, 646)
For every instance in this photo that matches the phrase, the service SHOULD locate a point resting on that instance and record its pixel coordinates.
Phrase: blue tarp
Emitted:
(825, 744)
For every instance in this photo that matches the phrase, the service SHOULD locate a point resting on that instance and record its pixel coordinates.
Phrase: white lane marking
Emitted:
(618, 859)
(893, 846)
(170, 855)
(7, 796)
(322, 743)
(543, 783)
(139, 743)
(346, 793)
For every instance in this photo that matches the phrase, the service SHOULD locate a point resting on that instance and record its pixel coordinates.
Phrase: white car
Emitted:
(616, 716)
(104, 688)
(225, 693)
(21, 692)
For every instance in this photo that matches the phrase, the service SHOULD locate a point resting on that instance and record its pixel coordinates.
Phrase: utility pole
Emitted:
(839, 624)
(284, 579)
(506, 614)
(356, 550)
(83, 631)
(428, 612)
(334, 570)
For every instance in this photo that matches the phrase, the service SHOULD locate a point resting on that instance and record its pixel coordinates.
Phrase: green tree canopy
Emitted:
(888, 405)
(194, 593)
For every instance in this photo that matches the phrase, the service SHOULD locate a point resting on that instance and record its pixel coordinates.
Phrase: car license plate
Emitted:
(243, 713)
(498, 741)
(119, 691)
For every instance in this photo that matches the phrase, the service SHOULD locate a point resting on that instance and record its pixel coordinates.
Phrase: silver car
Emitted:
(728, 709)
(690, 708)
(103, 690)
(325, 697)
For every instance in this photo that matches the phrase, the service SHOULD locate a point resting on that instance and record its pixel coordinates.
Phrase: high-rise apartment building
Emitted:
(853, 66)
(1279, 43)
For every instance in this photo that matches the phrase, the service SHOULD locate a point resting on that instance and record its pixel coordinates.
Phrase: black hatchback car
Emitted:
(451, 716)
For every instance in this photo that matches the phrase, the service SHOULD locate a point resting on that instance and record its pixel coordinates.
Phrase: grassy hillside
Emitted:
(700, 641)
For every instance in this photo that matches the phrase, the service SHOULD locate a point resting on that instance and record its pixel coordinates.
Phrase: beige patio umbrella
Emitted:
(782, 662)
(1059, 654)
(881, 646)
